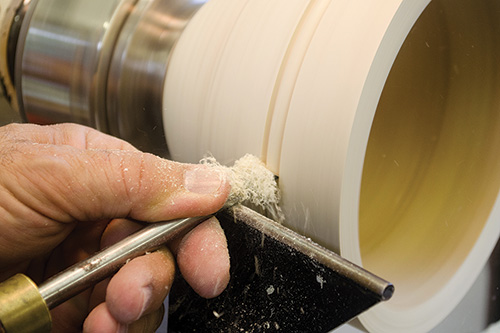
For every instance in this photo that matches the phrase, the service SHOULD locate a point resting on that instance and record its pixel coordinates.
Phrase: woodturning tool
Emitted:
(278, 279)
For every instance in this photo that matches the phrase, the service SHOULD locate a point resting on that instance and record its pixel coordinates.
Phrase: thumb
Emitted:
(66, 184)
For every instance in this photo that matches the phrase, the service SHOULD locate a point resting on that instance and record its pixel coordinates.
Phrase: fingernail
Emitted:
(203, 180)
(147, 297)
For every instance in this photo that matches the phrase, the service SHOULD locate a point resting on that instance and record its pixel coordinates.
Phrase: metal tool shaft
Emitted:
(83, 275)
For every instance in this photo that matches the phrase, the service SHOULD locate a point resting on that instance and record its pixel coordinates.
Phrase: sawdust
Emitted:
(251, 184)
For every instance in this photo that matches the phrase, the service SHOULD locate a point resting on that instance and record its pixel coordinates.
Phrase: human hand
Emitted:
(67, 190)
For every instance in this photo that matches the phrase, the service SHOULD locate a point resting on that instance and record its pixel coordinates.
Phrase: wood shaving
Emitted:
(251, 183)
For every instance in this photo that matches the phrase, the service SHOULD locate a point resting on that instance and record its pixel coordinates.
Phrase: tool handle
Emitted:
(22, 308)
